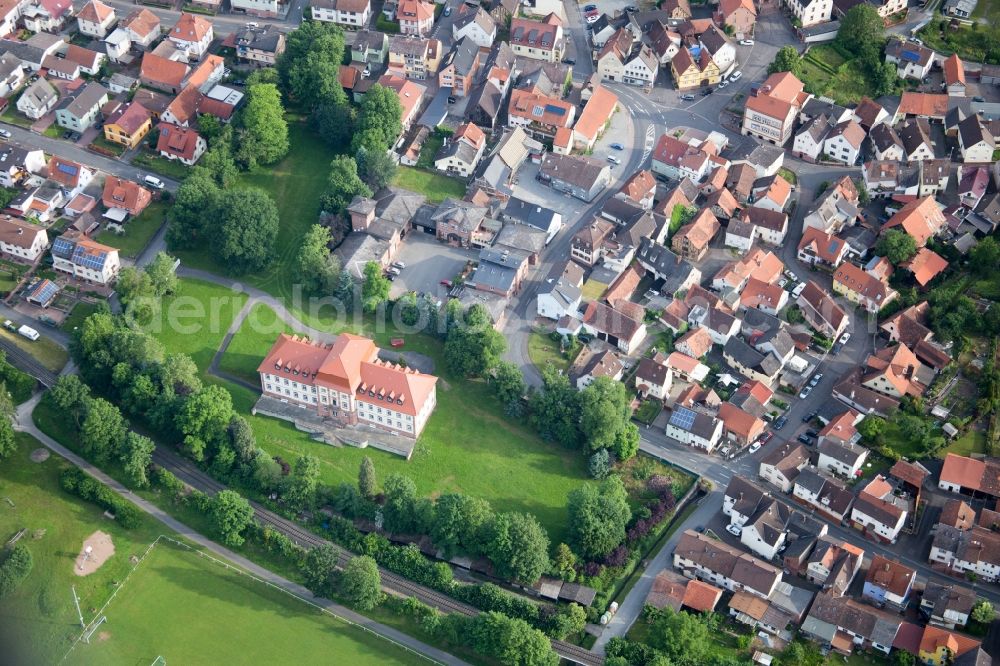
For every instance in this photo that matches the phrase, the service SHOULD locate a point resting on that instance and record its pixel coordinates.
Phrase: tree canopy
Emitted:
(309, 68)
(245, 228)
(605, 418)
(379, 120)
(518, 547)
(785, 60)
(361, 582)
(862, 32)
(374, 288)
(318, 270)
(897, 246)
(342, 185)
(263, 133)
(473, 348)
(598, 515)
(232, 514)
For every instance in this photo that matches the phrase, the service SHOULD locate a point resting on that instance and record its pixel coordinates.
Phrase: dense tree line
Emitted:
(75, 482)
(674, 638)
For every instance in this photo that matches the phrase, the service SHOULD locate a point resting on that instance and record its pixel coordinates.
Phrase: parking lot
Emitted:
(427, 263)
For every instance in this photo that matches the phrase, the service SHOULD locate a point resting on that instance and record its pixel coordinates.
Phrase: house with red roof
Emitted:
(128, 124)
(771, 109)
(95, 19)
(740, 15)
(183, 144)
(954, 76)
(820, 248)
(540, 115)
(925, 265)
(162, 73)
(921, 218)
(538, 40)
(411, 96)
(192, 34)
(346, 382)
(595, 118)
(126, 195)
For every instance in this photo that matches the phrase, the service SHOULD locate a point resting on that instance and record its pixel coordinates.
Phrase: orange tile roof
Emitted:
(777, 95)
(161, 70)
(415, 10)
(682, 362)
(962, 471)
(841, 427)
(954, 70)
(176, 140)
(204, 71)
(757, 293)
(190, 28)
(142, 22)
(563, 138)
(926, 265)
(130, 117)
(745, 425)
(555, 112)
(923, 104)
(95, 11)
(348, 77)
(120, 193)
(779, 191)
(596, 113)
(409, 93)
(826, 246)
(727, 7)
(698, 340)
(957, 644)
(701, 596)
(639, 185)
(701, 230)
(920, 218)
(471, 133)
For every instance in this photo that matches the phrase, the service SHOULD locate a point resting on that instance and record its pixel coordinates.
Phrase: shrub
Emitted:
(15, 568)
(74, 481)
(489, 597)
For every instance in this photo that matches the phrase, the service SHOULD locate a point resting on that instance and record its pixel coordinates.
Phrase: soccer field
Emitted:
(191, 610)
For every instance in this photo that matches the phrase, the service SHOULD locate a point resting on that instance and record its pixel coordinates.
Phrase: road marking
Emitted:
(648, 146)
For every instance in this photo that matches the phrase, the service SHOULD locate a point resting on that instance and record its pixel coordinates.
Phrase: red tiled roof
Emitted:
(701, 596)
(120, 193)
(926, 265)
(596, 113)
(923, 104)
(190, 28)
(175, 140)
(161, 70)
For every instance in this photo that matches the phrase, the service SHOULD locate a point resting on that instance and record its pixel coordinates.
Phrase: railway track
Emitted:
(24, 361)
(190, 474)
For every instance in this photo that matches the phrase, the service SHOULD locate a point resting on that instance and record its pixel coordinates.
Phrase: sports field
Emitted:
(190, 610)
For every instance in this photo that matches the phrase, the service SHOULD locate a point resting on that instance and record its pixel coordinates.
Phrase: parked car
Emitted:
(836, 348)
(617, 146)
(398, 264)
(688, 98)
(446, 283)
(806, 439)
(631, 8)
(810, 416)
(755, 447)
(746, 42)
(153, 181)
(735, 76)
(816, 379)
(812, 432)
(734, 530)
(780, 422)
(614, 160)
(447, 11)
(799, 288)
(5, 133)
(590, 8)
(569, 61)
(706, 91)
(765, 438)
(723, 83)
(585, 338)
(844, 338)
(593, 18)
(805, 392)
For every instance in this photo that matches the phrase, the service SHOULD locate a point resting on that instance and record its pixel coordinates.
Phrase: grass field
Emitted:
(468, 445)
(968, 444)
(80, 312)
(45, 350)
(41, 610)
(296, 184)
(826, 72)
(161, 165)
(138, 230)
(543, 350)
(435, 186)
(972, 43)
(190, 610)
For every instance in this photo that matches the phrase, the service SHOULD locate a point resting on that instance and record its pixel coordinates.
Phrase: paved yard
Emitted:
(427, 263)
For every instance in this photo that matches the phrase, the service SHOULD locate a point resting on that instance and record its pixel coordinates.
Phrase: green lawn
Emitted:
(13, 116)
(138, 231)
(435, 186)
(44, 349)
(468, 445)
(543, 350)
(101, 143)
(973, 43)
(432, 144)
(296, 184)
(971, 442)
(54, 131)
(41, 609)
(161, 165)
(80, 312)
(190, 610)
(826, 72)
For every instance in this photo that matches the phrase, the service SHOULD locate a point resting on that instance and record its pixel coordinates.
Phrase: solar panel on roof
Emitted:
(913, 56)
(682, 418)
(67, 168)
(62, 247)
(46, 293)
(551, 108)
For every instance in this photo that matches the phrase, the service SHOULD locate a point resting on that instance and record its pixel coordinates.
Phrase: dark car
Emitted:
(569, 61)
(809, 417)
(780, 422)
(806, 439)
(812, 433)
(590, 8)
(618, 146)
(706, 91)
(631, 8)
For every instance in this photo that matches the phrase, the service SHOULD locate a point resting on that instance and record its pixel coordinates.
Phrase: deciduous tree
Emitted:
(245, 229)
(136, 457)
(300, 491)
(785, 60)
(474, 347)
(983, 612)
(375, 288)
(375, 167)
(379, 120)
(598, 515)
(896, 246)
(309, 68)
(320, 569)
(103, 430)
(231, 514)
(399, 510)
(862, 32)
(342, 185)
(194, 204)
(361, 583)
(367, 481)
(263, 134)
(318, 269)
(518, 547)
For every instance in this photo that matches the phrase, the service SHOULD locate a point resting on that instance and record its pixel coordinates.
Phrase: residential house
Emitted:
(183, 144)
(843, 142)
(921, 218)
(460, 223)
(532, 215)
(460, 68)
(640, 188)
(613, 326)
(821, 312)
(18, 164)
(22, 240)
(862, 288)
(500, 271)
(600, 364)
(539, 40)
(719, 47)
(80, 110)
(808, 141)
(771, 193)
(931, 106)
(696, 343)
(353, 14)
(33, 51)
(70, 176)
(940, 647)
(690, 71)
(701, 557)
(975, 141)
(768, 225)
(142, 27)
(888, 582)
(964, 552)
(782, 464)
(947, 605)
(810, 12)
(561, 297)
(588, 243)
(37, 99)
(128, 125)
(692, 240)
(370, 47)
(539, 114)
(772, 108)
(896, 371)
(410, 94)
(84, 259)
(693, 428)
(760, 264)
(676, 9)
(877, 514)
(676, 159)
(954, 76)
(677, 274)
(886, 142)
(192, 35)
(769, 298)
(12, 73)
(414, 57)
(653, 377)
(751, 363)
(844, 623)
(260, 46)
(739, 426)
(47, 15)
(580, 177)
(869, 114)
(925, 266)
(912, 60)
(687, 368)
(916, 138)
(819, 248)
(461, 153)
(162, 73)
(833, 565)
(830, 498)
(959, 8)
(95, 19)
(835, 209)
(126, 195)
(476, 24)
(260, 8)
(740, 15)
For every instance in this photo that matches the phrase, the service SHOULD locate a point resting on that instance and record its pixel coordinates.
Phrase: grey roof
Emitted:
(462, 56)
(749, 357)
(849, 454)
(407, 45)
(265, 38)
(746, 496)
(12, 156)
(651, 372)
(914, 133)
(938, 599)
(661, 260)
(85, 100)
(581, 172)
(816, 128)
(816, 106)
(837, 497)
(819, 29)
(883, 136)
(398, 206)
(32, 49)
(459, 149)
(907, 51)
(369, 40)
(621, 211)
(521, 237)
(41, 92)
(462, 213)
(700, 424)
(530, 214)
(479, 16)
(8, 63)
(972, 132)
(713, 39)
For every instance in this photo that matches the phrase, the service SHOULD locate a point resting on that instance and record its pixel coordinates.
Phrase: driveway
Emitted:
(427, 263)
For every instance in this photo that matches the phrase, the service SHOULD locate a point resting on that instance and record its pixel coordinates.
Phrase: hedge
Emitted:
(15, 568)
(75, 482)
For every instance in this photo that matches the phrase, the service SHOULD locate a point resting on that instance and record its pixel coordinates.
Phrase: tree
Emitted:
(263, 133)
(301, 489)
(604, 412)
(518, 547)
(375, 288)
(361, 583)
(599, 464)
(379, 120)
(260, 76)
(884, 78)
(342, 185)
(242, 439)
(231, 514)
(680, 635)
(897, 246)
(319, 569)
(785, 60)
(367, 482)
(510, 641)
(862, 32)
(103, 430)
(137, 456)
(474, 347)
(508, 382)
(461, 524)
(871, 428)
(245, 229)
(318, 270)
(375, 167)
(335, 123)
(8, 444)
(162, 274)
(554, 409)
(309, 68)
(984, 258)
(204, 419)
(71, 396)
(598, 515)
(564, 561)
(194, 203)
(399, 510)
(864, 198)
(210, 127)
(899, 658)
(568, 620)
(219, 161)
(983, 612)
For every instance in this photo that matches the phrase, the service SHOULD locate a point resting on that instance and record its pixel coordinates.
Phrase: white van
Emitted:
(28, 332)
(153, 181)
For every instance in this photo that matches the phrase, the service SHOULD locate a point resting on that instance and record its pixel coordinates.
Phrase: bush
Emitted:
(489, 597)
(75, 482)
(15, 568)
